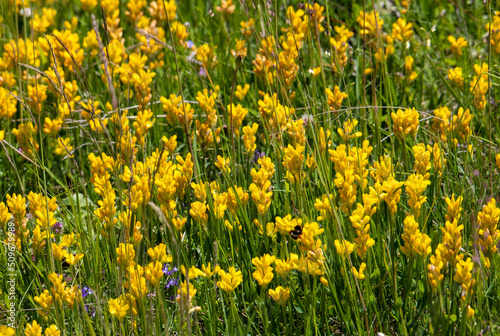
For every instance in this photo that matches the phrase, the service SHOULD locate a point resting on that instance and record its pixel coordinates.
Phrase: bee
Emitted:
(296, 232)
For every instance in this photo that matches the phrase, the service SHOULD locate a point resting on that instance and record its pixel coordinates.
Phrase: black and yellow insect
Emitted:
(296, 232)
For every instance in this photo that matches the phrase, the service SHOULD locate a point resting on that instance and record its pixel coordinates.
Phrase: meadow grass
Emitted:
(249, 167)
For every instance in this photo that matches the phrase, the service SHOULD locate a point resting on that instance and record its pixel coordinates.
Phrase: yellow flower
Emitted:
(44, 300)
(470, 312)
(370, 24)
(360, 220)
(236, 199)
(5, 215)
(154, 272)
(293, 162)
(405, 123)
(241, 92)
(179, 223)
(236, 115)
(264, 273)
(125, 254)
(422, 159)
(392, 193)
(345, 248)
(247, 27)
(207, 272)
(347, 189)
(457, 45)
(206, 55)
(460, 125)
(33, 329)
(73, 259)
(335, 98)
(479, 85)
(284, 266)
(315, 71)
(454, 208)
(71, 295)
(36, 97)
(58, 287)
(223, 164)
(280, 294)
(456, 76)
(401, 30)
(7, 331)
(463, 276)
(159, 253)
(415, 242)
(488, 231)
(359, 274)
(52, 331)
(199, 212)
(415, 187)
(449, 248)
(229, 281)
(347, 133)
(118, 308)
(63, 147)
(192, 273)
(434, 276)
(296, 132)
(142, 124)
(226, 7)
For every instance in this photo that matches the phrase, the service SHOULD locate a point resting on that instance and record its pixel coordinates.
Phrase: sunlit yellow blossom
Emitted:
(264, 273)
(223, 164)
(401, 30)
(125, 254)
(345, 248)
(455, 75)
(199, 212)
(348, 132)
(118, 308)
(415, 242)
(284, 266)
(280, 294)
(371, 24)
(359, 274)
(434, 275)
(44, 300)
(230, 280)
(488, 231)
(33, 329)
(405, 123)
(392, 193)
(415, 188)
(154, 272)
(463, 276)
(208, 272)
(159, 253)
(457, 45)
(335, 98)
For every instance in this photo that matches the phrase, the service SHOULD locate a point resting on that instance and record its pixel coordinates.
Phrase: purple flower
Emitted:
(90, 310)
(189, 44)
(202, 72)
(258, 155)
(172, 283)
(86, 291)
(152, 294)
(57, 228)
(168, 272)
